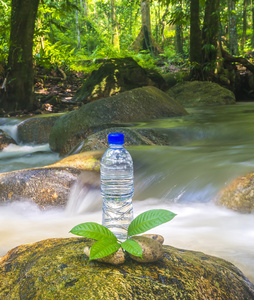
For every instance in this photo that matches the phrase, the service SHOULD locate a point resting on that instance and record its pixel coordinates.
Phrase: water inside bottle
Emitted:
(117, 190)
(117, 215)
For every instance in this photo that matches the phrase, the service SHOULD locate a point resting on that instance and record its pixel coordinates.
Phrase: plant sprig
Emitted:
(107, 243)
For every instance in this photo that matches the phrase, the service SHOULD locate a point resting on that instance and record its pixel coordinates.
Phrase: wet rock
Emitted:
(137, 136)
(86, 161)
(50, 185)
(152, 249)
(59, 268)
(238, 195)
(149, 243)
(199, 93)
(176, 77)
(132, 106)
(156, 237)
(5, 140)
(36, 130)
(117, 75)
(116, 258)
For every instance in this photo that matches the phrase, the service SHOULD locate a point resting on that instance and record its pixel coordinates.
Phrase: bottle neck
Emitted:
(116, 145)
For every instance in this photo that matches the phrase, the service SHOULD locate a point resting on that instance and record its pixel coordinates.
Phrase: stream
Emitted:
(210, 147)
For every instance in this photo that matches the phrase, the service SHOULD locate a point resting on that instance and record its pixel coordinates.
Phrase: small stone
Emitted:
(156, 237)
(116, 258)
(152, 249)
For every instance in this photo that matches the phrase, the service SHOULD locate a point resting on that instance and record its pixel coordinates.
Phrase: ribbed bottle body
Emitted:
(117, 190)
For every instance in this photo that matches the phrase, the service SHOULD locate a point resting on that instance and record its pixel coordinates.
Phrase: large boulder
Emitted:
(36, 130)
(136, 136)
(50, 185)
(5, 140)
(117, 75)
(59, 269)
(136, 105)
(238, 195)
(199, 93)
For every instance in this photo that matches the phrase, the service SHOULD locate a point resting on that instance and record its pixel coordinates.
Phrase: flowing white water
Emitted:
(197, 226)
(213, 147)
(16, 157)
(9, 126)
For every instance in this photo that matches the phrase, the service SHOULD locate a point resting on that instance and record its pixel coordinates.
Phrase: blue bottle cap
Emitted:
(116, 139)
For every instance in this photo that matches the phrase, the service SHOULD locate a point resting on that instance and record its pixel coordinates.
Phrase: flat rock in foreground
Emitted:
(50, 185)
(59, 269)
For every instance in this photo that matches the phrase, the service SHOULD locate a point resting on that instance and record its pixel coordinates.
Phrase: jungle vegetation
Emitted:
(204, 36)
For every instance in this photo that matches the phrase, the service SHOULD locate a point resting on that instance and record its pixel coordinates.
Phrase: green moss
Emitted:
(58, 269)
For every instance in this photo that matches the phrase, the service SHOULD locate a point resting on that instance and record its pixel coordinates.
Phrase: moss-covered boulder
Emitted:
(136, 105)
(175, 77)
(59, 269)
(238, 195)
(50, 185)
(5, 140)
(136, 136)
(117, 75)
(199, 93)
(36, 130)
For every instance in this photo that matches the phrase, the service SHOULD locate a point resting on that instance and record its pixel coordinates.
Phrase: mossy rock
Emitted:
(136, 137)
(176, 77)
(201, 93)
(140, 104)
(238, 195)
(36, 130)
(50, 186)
(59, 269)
(117, 75)
(5, 140)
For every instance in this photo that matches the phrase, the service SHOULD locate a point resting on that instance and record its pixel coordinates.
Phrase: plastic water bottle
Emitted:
(117, 186)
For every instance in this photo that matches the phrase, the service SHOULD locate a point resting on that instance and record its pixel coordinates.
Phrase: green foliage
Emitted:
(58, 24)
(149, 220)
(5, 15)
(107, 242)
(103, 248)
(93, 231)
(132, 247)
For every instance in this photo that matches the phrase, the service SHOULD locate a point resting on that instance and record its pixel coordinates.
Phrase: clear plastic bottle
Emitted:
(117, 186)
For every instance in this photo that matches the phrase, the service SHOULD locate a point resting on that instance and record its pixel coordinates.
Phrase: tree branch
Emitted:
(243, 61)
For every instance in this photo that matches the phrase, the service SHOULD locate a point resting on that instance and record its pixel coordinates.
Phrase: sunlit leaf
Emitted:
(103, 248)
(132, 247)
(93, 231)
(149, 220)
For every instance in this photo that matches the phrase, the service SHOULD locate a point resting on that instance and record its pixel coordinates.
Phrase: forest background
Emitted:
(210, 38)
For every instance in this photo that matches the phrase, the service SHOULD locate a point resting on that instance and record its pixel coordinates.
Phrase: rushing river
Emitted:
(210, 147)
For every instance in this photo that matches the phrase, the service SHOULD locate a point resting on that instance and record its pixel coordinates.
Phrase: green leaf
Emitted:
(132, 247)
(149, 220)
(93, 231)
(103, 248)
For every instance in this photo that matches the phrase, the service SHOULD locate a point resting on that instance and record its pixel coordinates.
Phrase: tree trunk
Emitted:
(144, 40)
(210, 36)
(179, 34)
(19, 93)
(233, 42)
(163, 23)
(115, 33)
(77, 26)
(244, 24)
(146, 25)
(158, 22)
(179, 39)
(252, 23)
(195, 42)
